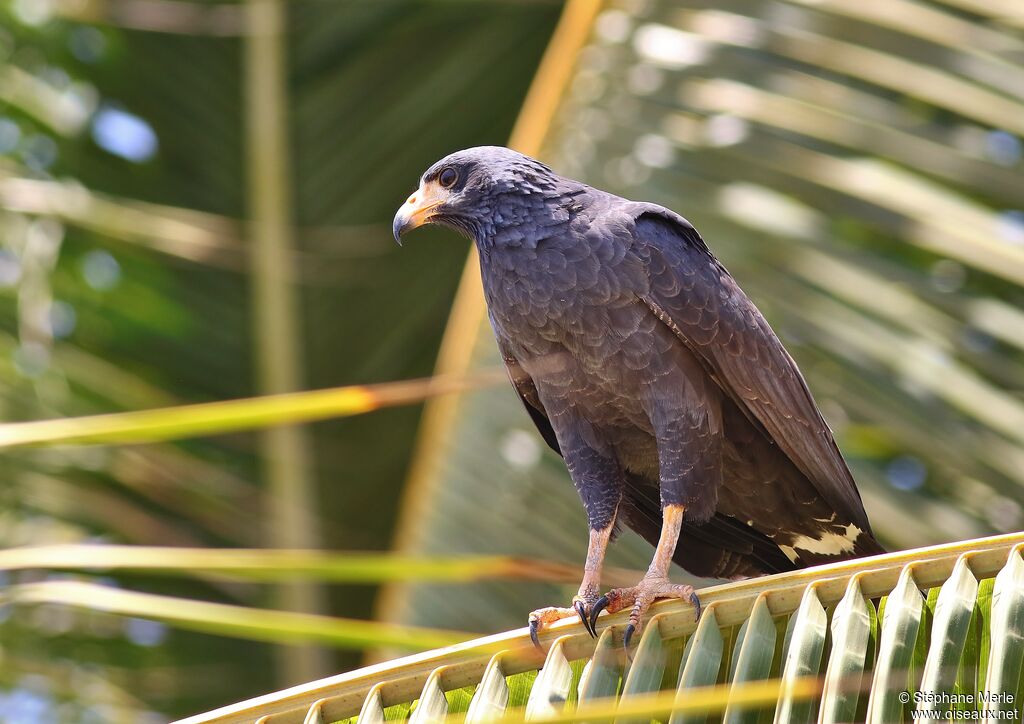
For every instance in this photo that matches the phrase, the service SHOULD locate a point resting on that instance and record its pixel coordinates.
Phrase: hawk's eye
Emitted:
(447, 178)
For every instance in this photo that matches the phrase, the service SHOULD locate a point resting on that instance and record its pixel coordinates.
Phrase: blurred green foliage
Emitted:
(855, 163)
(109, 303)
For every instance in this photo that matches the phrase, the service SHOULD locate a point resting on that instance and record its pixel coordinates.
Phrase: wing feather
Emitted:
(527, 390)
(693, 294)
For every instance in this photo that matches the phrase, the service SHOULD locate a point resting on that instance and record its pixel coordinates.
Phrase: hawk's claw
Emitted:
(627, 636)
(581, 611)
(544, 616)
(534, 628)
(599, 605)
(639, 597)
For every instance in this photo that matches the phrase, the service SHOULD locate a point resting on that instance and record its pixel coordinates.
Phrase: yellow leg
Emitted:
(583, 602)
(655, 583)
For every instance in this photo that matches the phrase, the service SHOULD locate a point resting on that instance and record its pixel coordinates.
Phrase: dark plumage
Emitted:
(648, 369)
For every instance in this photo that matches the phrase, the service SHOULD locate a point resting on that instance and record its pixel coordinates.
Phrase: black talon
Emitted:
(600, 605)
(581, 611)
(695, 600)
(626, 637)
(534, 627)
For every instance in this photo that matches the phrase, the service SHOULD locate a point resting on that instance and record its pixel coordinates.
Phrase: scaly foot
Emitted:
(640, 597)
(581, 606)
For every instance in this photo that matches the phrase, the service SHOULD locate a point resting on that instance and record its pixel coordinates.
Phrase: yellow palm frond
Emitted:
(758, 649)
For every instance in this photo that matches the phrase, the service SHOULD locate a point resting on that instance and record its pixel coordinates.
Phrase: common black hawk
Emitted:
(676, 408)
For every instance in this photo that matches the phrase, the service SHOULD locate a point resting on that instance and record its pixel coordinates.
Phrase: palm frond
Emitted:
(792, 680)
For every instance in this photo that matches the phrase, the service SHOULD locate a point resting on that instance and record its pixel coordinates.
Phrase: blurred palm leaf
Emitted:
(215, 418)
(129, 293)
(225, 620)
(276, 565)
(856, 164)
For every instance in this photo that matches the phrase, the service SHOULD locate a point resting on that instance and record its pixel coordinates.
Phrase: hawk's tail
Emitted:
(723, 547)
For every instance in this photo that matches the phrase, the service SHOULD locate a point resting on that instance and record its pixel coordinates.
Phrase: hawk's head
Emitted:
(480, 192)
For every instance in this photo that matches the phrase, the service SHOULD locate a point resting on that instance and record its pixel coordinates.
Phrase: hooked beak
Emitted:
(419, 208)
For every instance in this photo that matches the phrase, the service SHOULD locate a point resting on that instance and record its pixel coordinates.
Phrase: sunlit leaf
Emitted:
(806, 634)
(901, 623)
(954, 610)
(228, 620)
(550, 691)
(221, 417)
(277, 565)
(851, 631)
(1006, 644)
